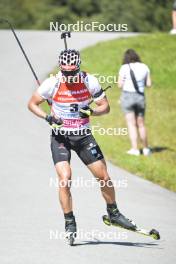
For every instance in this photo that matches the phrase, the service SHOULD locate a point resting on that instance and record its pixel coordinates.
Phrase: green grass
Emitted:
(159, 52)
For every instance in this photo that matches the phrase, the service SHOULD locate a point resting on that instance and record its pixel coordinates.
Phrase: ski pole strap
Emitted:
(133, 78)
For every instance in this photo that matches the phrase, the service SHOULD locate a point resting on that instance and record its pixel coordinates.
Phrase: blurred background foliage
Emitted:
(140, 15)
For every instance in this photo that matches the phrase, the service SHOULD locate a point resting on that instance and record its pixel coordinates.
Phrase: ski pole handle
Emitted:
(64, 36)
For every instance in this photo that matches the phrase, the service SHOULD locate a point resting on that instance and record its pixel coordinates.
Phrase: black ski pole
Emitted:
(2, 20)
(64, 36)
(108, 87)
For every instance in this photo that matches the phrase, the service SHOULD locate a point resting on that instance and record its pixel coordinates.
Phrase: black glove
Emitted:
(53, 121)
(85, 112)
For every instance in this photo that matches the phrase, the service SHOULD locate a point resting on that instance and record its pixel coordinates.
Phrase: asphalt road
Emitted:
(31, 220)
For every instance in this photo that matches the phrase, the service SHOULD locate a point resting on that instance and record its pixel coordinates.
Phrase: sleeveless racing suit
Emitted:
(67, 100)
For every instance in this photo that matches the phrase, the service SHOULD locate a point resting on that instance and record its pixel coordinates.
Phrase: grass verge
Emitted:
(158, 52)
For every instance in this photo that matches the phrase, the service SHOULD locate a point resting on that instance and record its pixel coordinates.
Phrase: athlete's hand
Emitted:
(85, 112)
(54, 122)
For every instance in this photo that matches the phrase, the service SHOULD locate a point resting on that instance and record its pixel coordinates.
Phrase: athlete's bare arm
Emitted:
(102, 107)
(34, 105)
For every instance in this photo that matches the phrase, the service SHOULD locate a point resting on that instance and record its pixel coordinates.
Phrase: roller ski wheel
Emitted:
(155, 234)
(152, 233)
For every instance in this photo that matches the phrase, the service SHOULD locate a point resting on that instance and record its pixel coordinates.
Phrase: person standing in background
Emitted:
(173, 30)
(133, 99)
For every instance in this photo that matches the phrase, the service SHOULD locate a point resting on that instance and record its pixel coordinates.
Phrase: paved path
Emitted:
(30, 218)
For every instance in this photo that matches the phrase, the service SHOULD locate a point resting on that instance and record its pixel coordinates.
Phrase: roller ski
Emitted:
(70, 230)
(115, 218)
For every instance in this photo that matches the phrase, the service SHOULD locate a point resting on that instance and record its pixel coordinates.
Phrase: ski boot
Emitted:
(70, 230)
(118, 219)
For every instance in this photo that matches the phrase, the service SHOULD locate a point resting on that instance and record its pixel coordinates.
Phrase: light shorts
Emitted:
(133, 102)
